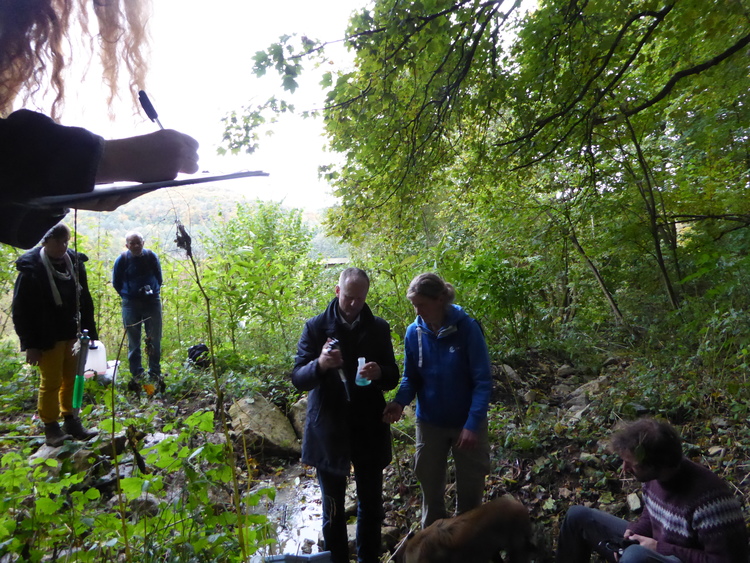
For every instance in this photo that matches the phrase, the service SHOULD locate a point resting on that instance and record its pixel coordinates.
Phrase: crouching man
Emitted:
(690, 515)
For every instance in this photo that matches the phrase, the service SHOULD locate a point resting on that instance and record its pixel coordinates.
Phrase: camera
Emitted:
(618, 545)
(333, 345)
(146, 291)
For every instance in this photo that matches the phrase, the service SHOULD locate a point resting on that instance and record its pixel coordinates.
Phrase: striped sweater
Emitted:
(694, 516)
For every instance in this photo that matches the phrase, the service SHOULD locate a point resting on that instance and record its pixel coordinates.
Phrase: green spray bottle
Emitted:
(83, 352)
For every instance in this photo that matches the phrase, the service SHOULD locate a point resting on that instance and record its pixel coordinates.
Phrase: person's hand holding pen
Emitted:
(149, 158)
(145, 158)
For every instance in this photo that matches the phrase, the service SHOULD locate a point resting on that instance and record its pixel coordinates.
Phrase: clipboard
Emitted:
(107, 190)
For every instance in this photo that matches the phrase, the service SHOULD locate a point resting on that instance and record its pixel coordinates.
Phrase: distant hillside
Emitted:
(197, 207)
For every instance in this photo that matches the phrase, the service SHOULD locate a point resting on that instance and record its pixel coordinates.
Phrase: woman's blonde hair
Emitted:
(431, 285)
(32, 38)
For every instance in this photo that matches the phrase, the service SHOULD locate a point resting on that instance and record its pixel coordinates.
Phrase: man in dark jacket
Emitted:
(137, 279)
(344, 424)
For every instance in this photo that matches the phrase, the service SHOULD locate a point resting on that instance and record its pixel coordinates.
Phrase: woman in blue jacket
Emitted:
(447, 367)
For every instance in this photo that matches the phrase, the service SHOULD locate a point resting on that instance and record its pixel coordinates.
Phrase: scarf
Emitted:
(53, 273)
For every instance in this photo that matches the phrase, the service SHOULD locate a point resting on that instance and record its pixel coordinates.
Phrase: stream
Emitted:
(297, 511)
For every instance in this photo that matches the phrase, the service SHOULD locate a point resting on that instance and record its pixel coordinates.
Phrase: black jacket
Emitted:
(38, 321)
(39, 157)
(338, 431)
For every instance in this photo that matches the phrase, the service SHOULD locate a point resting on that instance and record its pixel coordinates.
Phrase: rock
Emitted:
(720, 422)
(84, 460)
(575, 413)
(566, 371)
(580, 396)
(154, 439)
(351, 535)
(530, 396)
(562, 389)
(614, 508)
(634, 502)
(586, 457)
(350, 499)
(577, 400)
(307, 546)
(298, 414)
(264, 426)
(145, 505)
(510, 373)
(59, 453)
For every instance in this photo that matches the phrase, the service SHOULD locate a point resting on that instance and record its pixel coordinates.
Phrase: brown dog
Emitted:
(477, 536)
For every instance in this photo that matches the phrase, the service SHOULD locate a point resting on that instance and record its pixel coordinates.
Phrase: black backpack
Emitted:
(198, 356)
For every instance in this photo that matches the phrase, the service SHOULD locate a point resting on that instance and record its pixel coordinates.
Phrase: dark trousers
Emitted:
(587, 529)
(147, 312)
(369, 481)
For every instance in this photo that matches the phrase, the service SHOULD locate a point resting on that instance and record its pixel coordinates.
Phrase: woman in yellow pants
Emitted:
(51, 294)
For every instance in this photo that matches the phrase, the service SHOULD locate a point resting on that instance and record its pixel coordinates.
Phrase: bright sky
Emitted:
(201, 61)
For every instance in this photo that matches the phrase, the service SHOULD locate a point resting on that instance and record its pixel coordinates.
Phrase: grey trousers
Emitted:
(588, 529)
(431, 463)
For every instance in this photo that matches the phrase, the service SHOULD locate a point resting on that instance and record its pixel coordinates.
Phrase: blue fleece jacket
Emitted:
(130, 273)
(448, 372)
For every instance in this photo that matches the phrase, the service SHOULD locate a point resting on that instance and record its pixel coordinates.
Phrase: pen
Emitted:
(148, 107)
(343, 380)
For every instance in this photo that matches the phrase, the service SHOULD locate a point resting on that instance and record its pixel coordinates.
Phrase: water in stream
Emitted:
(297, 511)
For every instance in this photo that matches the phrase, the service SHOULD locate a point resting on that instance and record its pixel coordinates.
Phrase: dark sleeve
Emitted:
(386, 358)
(480, 372)
(24, 313)
(38, 158)
(157, 269)
(305, 374)
(642, 526)
(117, 274)
(87, 303)
(24, 227)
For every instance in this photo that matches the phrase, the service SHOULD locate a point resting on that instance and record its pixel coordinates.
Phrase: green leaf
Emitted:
(203, 421)
(48, 506)
(132, 487)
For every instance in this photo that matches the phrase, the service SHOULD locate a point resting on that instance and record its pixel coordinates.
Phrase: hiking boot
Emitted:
(134, 386)
(158, 381)
(73, 426)
(54, 435)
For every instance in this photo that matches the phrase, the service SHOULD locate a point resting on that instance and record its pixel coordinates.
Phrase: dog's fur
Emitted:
(477, 536)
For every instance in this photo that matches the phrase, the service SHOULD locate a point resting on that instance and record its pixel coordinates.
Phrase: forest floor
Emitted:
(548, 450)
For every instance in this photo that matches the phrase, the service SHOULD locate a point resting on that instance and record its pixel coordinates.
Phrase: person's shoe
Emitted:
(54, 435)
(73, 426)
(134, 386)
(158, 381)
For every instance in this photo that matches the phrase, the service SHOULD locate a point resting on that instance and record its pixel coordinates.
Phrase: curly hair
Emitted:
(654, 443)
(33, 34)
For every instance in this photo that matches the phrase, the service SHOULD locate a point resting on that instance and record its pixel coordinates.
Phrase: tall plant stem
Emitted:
(183, 241)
